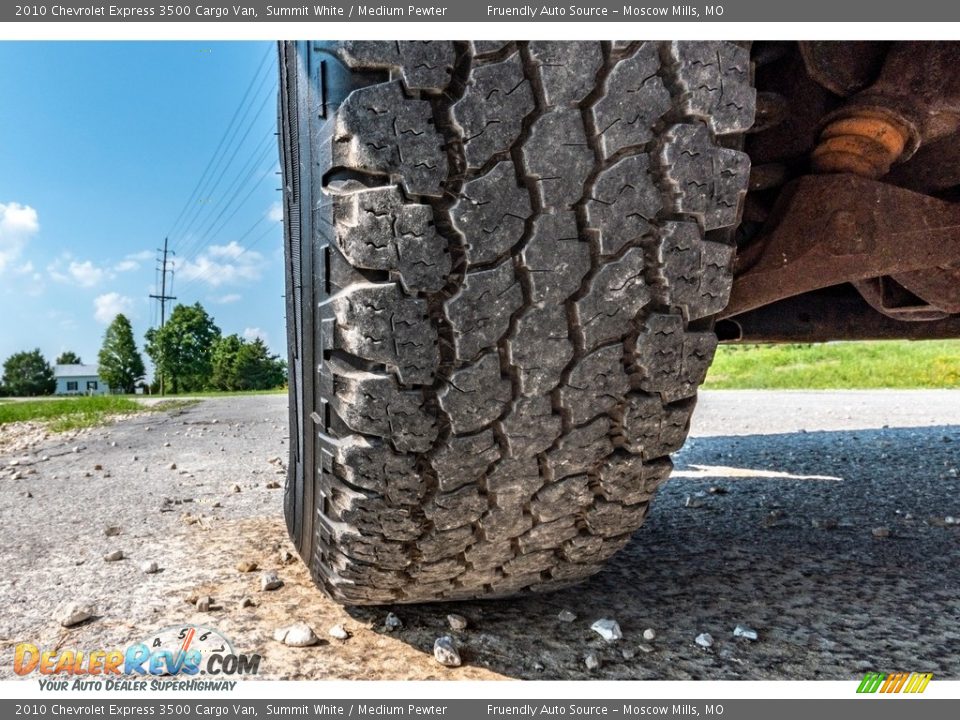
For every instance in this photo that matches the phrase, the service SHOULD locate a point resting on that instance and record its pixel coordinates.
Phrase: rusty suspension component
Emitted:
(866, 143)
(836, 313)
(830, 229)
(915, 99)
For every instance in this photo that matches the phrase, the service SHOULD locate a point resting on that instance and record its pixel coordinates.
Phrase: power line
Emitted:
(206, 273)
(237, 257)
(209, 189)
(210, 236)
(192, 197)
(205, 236)
(201, 219)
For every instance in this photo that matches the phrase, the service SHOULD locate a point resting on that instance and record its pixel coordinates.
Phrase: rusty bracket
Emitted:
(830, 229)
(835, 313)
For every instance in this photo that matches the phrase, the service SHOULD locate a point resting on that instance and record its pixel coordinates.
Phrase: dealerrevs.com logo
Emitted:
(172, 658)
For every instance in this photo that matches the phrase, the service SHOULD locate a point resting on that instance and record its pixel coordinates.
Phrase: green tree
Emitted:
(257, 369)
(242, 365)
(28, 374)
(182, 350)
(121, 365)
(224, 362)
(68, 357)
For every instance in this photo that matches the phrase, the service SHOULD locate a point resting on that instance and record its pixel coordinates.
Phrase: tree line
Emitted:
(189, 354)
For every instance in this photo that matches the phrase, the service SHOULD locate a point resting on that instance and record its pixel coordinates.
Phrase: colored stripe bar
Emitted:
(871, 682)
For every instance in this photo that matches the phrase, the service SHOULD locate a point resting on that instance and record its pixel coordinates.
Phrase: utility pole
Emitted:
(163, 297)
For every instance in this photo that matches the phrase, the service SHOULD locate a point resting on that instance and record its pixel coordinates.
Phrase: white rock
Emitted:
(643, 647)
(339, 632)
(392, 622)
(628, 654)
(297, 635)
(458, 623)
(445, 651)
(270, 581)
(745, 632)
(591, 661)
(881, 532)
(649, 634)
(73, 613)
(951, 520)
(566, 616)
(608, 629)
(149, 567)
(204, 603)
(114, 556)
(704, 640)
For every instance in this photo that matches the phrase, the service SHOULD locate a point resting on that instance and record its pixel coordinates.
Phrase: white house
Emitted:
(79, 380)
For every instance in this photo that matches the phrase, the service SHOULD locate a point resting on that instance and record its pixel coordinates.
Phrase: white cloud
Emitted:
(36, 286)
(25, 269)
(106, 307)
(228, 298)
(63, 319)
(220, 265)
(230, 251)
(132, 261)
(252, 333)
(86, 274)
(18, 223)
(276, 212)
(126, 266)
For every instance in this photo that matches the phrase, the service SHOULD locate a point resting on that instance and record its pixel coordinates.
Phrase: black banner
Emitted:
(875, 708)
(617, 11)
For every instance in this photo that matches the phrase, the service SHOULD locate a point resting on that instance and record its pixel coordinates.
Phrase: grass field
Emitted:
(77, 412)
(881, 364)
(229, 393)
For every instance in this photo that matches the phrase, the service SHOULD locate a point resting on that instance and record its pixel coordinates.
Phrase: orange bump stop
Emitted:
(865, 145)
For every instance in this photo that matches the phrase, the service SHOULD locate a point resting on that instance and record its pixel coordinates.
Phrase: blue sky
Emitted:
(102, 145)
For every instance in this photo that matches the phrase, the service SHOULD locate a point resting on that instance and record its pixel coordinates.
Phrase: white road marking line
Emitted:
(702, 472)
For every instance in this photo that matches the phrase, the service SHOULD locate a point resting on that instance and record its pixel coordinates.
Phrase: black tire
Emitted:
(503, 263)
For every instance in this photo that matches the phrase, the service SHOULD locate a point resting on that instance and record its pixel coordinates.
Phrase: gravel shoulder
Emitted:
(770, 523)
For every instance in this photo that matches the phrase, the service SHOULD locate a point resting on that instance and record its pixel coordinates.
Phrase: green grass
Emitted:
(232, 393)
(63, 414)
(880, 364)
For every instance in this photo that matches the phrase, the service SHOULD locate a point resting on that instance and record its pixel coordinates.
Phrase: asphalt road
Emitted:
(769, 522)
